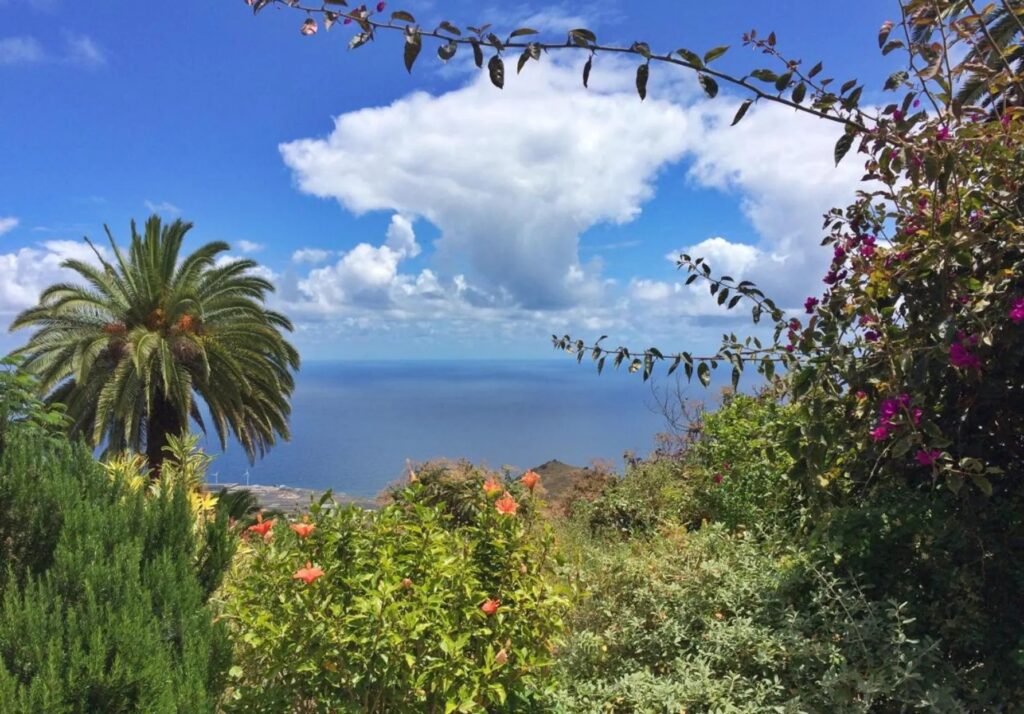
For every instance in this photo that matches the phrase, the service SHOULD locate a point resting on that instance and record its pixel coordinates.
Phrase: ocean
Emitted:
(354, 424)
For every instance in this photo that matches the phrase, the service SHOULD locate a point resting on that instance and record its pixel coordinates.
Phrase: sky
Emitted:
(428, 215)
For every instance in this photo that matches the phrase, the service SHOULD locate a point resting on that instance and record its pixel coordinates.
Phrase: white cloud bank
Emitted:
(512, 178)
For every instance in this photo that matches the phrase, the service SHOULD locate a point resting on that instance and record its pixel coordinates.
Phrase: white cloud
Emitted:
(513, 178)
(312, 256)
(247, 246)
(165, 207)
(21, 50)
(83, 50)
(78, 49)
(7, 224)
(535, 166)
(26, 272)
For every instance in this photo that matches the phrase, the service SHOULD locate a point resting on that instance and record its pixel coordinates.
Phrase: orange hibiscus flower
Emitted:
(507, 505)
(308, 574)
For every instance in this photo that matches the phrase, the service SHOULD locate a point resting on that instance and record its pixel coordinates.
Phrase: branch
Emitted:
(578, 39)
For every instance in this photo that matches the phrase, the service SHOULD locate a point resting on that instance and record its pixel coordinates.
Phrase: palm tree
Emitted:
(132, 349)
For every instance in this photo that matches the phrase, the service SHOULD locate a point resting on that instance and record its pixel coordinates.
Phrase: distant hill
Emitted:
(562, 483)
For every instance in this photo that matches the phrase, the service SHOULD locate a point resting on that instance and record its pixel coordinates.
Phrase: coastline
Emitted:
(290, 499)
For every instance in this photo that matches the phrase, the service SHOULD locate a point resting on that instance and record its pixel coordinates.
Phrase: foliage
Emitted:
(102, 604)
(21, 407)
(131, 348)
(391, 610)
(744, 470)
(708, 621)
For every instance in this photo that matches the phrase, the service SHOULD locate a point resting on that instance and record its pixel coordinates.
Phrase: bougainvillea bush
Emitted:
(405, 609)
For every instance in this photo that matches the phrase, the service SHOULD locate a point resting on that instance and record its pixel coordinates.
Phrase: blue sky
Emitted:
(427, 215)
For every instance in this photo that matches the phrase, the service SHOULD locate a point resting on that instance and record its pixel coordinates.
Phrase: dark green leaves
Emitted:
(532, 51)
(642, 49)
(478, 53)
(582, 37)
(447, 50)
(799, 92)
(642, 74)
(413, 45)
(402, 16)
(742, 111)
(708, 84)
(896, 79)
(523, 31)
(704, 373)
(586, 70)
(842, 147)
(496, 70)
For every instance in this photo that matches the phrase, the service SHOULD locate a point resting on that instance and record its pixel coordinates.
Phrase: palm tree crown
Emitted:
(131, 349)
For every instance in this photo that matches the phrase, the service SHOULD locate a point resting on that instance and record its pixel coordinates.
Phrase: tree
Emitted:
(134, 348)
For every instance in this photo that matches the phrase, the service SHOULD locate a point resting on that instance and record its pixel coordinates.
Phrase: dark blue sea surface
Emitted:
(354, 424)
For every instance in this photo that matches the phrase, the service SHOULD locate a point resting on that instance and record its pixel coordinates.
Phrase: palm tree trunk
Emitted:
(163, 421)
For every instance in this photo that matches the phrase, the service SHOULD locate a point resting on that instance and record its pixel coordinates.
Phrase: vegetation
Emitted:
(848, 541)
(103, 590)
(130, 348)
(413, 608)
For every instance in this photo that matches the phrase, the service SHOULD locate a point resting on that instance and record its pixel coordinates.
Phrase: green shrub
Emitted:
(102, 605)
(712, 621)
(743, 469)
(392, 618)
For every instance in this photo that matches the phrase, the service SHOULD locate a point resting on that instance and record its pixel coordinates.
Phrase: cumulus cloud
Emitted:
(7, 224)
(511, 179)
(247, 246)
(26, 272)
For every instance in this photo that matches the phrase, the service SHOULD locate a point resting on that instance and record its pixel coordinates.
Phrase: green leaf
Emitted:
(402, 16)
(642, 74)
(496, 69)
(478, 53)
(715, 53)
(742, 111)
(642, 48)
(883, 32)
(709, 85)
(842, 147)
(450, 28)
(586, 70)
(765, 75)
(523, 31)
(815, 70)
(783, 81)
(691, 57)
(799, 92)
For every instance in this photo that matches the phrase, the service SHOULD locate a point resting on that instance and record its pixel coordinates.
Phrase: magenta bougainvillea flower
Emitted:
(809, 304)
(927, 457)
(943, 133)
(1017, 311)
(960, 356)
(880, 433)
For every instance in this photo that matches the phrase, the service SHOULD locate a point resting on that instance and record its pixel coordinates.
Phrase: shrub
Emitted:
(712, 621)
(743, 470)
(391, 610)
(102, 604)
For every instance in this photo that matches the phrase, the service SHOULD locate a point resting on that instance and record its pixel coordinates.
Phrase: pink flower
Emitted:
(927, 458)
(789, 348)
(880, 433)
(381, 6)
(1005, 120)
(915, 415)
(490, 606)
(1017, 311)
(809, 304)
(871, 336)
(717, 478)
(917, 103)
(942, 134)
(347, 21)
(897, 115)
(963, 358)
